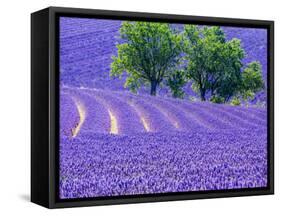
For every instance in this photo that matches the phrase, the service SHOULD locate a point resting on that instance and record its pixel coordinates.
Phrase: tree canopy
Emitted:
(252, 80)
(214, 64)
(149, 52)
(176, 81)
(154, 54)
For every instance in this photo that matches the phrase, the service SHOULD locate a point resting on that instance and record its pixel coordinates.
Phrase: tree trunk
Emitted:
(153, 88)
(202, 94)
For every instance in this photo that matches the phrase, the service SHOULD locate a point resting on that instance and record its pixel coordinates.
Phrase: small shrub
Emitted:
(217, 99)
(235, 101)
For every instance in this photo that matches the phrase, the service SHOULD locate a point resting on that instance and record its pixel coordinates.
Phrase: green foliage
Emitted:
(154, 54)
(247, 95)
(176, 82)
(235, 101)
(217, 99)
(214, 64)
(149, 54)
(252, 80)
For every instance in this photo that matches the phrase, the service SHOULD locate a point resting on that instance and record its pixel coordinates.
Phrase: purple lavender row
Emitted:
(71, 27)
(156, 120)
(69, 116)
(97, 119)
(127, 120)
(226, 113)
(243, 114)
(206, 117)
(257, 112)
(160, 114)
(218, 118)
(177, 118)
(102, 165)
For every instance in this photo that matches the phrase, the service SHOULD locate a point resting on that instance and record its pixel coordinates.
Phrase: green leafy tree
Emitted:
(176, 82)
(149, 53)
(214, 64)
(252, 81)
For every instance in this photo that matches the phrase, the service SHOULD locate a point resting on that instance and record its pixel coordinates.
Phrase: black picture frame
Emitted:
(45, 104)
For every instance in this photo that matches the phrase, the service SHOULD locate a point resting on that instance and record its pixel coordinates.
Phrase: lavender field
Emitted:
(114, 142)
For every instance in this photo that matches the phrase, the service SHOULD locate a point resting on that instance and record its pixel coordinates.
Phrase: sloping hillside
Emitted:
(116, 143)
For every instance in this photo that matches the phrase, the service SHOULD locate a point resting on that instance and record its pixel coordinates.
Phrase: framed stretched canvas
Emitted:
(139, 107)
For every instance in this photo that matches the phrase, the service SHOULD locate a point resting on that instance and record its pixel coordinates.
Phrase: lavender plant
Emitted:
(114, 142)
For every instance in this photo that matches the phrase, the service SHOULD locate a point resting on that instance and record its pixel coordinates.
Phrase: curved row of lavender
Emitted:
(158, 145)
(113, 142)
(137, 114)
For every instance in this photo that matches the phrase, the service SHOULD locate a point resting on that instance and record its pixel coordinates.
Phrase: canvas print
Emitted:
(153, 108)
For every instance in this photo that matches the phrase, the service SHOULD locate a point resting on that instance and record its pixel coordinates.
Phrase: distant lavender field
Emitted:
(113, 142)
(86, 47)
